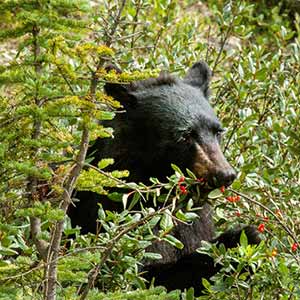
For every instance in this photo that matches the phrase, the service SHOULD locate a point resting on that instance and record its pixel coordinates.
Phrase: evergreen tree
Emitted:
(51, 105)
(49, 111)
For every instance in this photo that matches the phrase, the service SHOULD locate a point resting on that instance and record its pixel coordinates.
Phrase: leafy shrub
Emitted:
(51, 102)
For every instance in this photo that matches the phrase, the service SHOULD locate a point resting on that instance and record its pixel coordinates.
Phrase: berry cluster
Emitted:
(233, 198)
(182, 188)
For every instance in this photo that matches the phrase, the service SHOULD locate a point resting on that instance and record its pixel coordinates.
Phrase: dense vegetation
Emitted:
(52, 72)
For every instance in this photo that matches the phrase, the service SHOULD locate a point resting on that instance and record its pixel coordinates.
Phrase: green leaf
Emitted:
(216, 193)
(134, 201)
(7, 251)
(166, 222)
(132, 185)
(106, 115)
(154, 221)
(241, 71)
(173, 241)
(190, 294)
(206, 284)
(191, 174)
(154, 180)
(186, 216)
(152, 255)
(243, 239)
(262, 74)
(190, 204)
(180, 215)
(222, 249)
(103, 163)
(101, 213)
(115, 196)
(176, 169)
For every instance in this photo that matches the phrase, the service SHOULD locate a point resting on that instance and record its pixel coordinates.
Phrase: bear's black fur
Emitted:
(167, 120)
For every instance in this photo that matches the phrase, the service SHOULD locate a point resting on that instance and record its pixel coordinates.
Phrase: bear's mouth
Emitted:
(200, 190)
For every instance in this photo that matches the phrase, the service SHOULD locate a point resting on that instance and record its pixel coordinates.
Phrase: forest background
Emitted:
(52, 56)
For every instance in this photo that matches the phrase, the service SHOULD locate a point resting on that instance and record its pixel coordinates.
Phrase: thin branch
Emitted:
(56, 235)
(116, 24)
(287, 230)
(208, 43)
(283, 245)
(135, 23)
(224, 40)
(163, 27)
(125, 37)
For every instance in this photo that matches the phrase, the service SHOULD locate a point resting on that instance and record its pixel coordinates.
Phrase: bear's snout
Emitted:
(213, 166)
(222, 178)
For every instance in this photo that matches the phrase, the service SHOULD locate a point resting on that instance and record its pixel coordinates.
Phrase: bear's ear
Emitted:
(199, 76)
(120, 92)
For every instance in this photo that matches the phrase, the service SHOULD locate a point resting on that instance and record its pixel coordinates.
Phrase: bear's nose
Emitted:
(222, 178)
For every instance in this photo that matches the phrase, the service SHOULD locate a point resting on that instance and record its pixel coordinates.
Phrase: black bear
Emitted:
(167, 120)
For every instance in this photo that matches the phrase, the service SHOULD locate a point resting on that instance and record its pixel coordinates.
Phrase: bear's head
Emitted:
(169, 120)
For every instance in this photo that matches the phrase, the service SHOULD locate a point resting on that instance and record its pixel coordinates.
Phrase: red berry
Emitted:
(274, 252)
(181, 179)
(294, 247)
(233, 198)
(183, 189)
(238, 214)
(261, 227)
(222, 189)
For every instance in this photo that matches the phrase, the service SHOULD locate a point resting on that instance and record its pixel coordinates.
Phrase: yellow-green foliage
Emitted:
(93, 180)
(126, 77)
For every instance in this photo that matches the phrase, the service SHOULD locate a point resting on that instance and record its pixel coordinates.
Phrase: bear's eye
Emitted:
(187, 137)
(219, 132)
